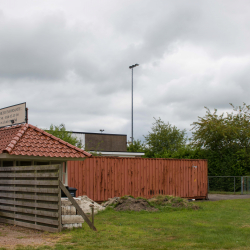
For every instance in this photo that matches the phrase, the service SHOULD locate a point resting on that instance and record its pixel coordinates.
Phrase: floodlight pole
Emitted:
(132, 118)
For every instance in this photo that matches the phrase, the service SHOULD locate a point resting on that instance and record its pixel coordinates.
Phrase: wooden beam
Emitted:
(34, 182)
(30, 197)
(29, 211)
(79, 210)
(29, 225)
(30, 175)
(30, 190)
(31, 218)
(30, 204)
(38, 158)
(59, 202)
(27, 168)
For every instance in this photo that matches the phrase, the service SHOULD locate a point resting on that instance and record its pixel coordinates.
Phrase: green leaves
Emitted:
(216, 132)
(164, 137)
(225, 140)
(60, 132)
(137, 146)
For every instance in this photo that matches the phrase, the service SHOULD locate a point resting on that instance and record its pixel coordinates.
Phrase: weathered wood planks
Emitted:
(30, 196)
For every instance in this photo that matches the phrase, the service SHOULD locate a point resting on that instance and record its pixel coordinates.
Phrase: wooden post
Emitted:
(92, 211)
(14, 195)
(75, 204)
(59, 200)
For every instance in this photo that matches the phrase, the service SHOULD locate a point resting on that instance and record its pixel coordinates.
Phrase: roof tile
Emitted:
(29, 140)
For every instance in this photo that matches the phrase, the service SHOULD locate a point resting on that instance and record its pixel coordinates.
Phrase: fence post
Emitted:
(208, 184)
(75, 204)
(241, 185)
(234, 184)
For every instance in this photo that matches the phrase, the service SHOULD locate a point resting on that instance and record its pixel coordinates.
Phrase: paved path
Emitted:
(218, 197)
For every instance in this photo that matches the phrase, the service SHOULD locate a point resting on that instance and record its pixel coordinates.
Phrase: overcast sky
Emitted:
(69, 61)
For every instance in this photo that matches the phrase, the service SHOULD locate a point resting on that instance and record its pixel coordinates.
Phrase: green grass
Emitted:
(217, 225)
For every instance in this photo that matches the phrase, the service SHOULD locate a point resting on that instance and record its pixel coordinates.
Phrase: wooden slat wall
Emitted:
(30, 197)
(101, 178)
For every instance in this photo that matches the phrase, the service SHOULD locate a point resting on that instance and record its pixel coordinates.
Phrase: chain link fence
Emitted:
(231, 184)
(246, 184)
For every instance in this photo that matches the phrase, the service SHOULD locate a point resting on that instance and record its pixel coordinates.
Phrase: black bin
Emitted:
(71, 190)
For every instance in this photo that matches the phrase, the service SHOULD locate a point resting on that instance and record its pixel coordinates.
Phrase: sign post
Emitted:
(15, 114)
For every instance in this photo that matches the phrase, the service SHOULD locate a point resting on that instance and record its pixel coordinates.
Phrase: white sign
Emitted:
(13, 115)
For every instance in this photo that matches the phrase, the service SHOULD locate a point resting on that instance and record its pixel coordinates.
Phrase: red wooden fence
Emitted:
(101, 178)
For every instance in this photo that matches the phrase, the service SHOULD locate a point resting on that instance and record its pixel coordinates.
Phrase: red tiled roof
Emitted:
(29, 140)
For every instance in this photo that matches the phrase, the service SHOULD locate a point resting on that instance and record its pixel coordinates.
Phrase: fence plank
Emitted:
(30, 182)
(29, 211)
(29, 197)
(30, 190)
(29, 225)
(29, 204)
(29, 218)
(6, 214)
(26, 168)
(31, 175)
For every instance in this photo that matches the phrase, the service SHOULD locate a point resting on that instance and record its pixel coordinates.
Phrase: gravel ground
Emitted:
(11, 236)
(218, 197)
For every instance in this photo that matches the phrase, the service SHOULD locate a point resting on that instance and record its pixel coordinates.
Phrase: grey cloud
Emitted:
(70, 62)
(162, 24)
(35, 50)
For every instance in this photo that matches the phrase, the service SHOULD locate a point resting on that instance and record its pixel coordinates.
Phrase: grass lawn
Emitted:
(217, 225)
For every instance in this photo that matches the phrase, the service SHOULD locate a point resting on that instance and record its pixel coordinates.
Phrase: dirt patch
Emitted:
(132, 204)
(171, 201)
(129, 203)
(11, 236)
(110, 201)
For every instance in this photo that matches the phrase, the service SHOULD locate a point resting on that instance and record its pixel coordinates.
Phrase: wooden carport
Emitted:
(33, 170)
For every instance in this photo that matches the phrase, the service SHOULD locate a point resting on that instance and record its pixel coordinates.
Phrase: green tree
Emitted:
(136, 146)
(185, 152)
(61, 132)
(231, 130)
(225, 139)
(164, 138)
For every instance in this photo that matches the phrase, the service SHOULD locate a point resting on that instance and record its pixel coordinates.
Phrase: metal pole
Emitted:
(132, 132)
(208, 184)
(234, 185)
(132, 118)
(27, 121)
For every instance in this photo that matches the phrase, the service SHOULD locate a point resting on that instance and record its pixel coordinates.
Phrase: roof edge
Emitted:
(18, 136)
(60, 140)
